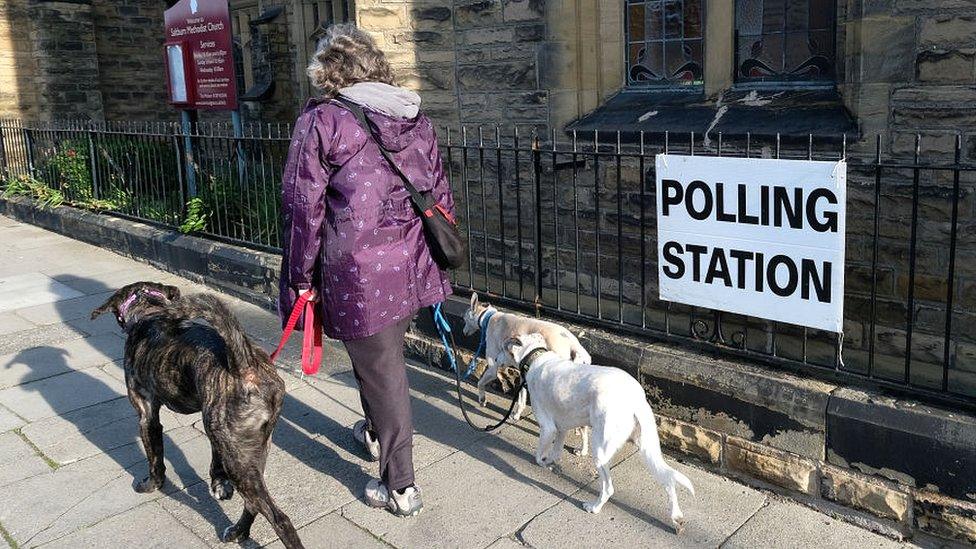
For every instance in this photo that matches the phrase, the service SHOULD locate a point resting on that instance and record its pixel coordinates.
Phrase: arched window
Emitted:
(784, 40)
(664, 42)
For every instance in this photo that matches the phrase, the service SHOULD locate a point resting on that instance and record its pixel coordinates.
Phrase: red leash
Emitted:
(312, 342)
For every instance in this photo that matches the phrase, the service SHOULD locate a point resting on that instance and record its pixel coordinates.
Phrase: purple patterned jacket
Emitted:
(350, 231)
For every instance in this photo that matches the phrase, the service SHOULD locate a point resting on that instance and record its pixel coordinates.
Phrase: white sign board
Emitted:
(177, 73)
(758, 237)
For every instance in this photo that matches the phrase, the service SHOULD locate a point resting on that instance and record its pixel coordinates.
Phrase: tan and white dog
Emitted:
(607, 400)
(502, 327)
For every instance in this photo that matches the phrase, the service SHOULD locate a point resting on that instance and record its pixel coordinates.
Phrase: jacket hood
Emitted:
(394, 112)
(383, 98)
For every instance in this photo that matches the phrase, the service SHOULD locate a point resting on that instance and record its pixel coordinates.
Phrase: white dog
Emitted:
(502, 327)
(608, 400)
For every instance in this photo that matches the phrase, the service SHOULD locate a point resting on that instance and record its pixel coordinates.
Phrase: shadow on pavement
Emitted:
(299, 421)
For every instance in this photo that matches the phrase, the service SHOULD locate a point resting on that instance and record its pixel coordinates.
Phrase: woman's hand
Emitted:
(312, 297)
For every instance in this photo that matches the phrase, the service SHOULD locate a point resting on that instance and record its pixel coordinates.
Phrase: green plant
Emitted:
(70, 168)
(196, 216)
(245, 210)
(24, 185)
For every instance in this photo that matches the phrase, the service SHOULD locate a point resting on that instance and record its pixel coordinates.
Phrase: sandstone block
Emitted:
(770, 465)
(947, 32)
(945, 517)
(945, 66)
(690, 439)
(874, 496)
(381, 18)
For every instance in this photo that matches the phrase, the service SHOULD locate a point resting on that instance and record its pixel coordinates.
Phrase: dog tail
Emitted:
(650, 448)
(212, 310)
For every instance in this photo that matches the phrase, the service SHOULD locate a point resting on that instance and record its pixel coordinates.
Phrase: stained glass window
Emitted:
(784, 40)
(664, 42)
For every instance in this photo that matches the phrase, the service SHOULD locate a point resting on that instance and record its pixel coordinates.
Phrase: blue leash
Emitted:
(481, 343)
(444, 328)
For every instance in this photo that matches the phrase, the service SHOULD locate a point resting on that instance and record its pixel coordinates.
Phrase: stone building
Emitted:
(826, 67)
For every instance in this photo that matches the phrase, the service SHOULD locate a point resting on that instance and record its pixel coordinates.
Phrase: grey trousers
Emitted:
(377, 362)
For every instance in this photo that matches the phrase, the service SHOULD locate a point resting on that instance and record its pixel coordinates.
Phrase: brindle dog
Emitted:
(191, 355)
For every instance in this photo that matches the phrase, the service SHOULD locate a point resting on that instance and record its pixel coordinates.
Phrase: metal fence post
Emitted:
(179, 164)
(4, 168)
(537, 171)
(191, 180)
(93, 159)
(29, 146)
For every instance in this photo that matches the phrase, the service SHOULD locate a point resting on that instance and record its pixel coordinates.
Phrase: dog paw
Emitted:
(233, 533)
(483, 400)
(679, 524)
(222, 489)
(593, 506)
(148, 485)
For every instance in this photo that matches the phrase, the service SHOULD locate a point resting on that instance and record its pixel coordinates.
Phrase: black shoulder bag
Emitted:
(440, 228)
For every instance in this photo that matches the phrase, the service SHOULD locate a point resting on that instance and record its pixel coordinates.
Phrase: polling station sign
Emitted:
(758, 237)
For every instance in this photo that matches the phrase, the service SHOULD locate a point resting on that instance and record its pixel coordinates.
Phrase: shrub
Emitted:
(38, 191)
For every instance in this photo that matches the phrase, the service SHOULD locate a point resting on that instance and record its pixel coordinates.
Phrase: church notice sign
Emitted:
(200, 55)
(757, 237)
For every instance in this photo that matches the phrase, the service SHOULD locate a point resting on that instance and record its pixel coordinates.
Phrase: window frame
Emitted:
(666, 86)
(739, 84)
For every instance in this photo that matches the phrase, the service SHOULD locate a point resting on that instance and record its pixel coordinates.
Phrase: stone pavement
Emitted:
(69, 451)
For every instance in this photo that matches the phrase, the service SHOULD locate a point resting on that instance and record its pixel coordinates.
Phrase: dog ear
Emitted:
(104, 307)
(474, 300)
(511, 343)
(172, 292)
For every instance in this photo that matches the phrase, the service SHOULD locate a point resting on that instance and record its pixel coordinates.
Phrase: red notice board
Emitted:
(199, 55)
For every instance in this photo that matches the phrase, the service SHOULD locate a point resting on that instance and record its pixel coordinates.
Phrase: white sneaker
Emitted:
(406, 504)
(367, 439)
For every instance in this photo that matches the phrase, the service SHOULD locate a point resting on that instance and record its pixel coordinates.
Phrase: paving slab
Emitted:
(18, 460)
(308, 478)
(93, 430)
(55, 256)
(24, 238)
(9, 420)
(61, 394)
(333, 531)
(64, 311)
(476, 495)
(29, 289)
(95, 283)
(147, 526)
(804, 529)
(11, 323)
(46, 507)
(37, 363)
(638, 513)
(506, 543)
(38, 336)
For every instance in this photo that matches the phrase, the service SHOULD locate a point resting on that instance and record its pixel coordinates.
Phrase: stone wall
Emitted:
(474, 62)
(131, 76)
(18, 95)
(910, 68)
(62, 38)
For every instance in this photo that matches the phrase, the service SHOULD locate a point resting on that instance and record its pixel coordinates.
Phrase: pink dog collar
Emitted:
(132, 299)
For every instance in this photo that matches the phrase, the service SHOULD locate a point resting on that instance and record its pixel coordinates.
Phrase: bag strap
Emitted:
(415, 196)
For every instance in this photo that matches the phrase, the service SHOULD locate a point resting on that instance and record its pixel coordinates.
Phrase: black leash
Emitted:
(449, 336)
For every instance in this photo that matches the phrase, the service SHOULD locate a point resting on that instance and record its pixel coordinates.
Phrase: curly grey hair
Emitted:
(345, 56)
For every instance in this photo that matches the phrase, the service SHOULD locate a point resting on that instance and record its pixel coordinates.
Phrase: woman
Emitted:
(352, 236)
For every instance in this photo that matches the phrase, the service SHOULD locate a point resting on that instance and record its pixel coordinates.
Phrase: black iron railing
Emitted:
(566, 227)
